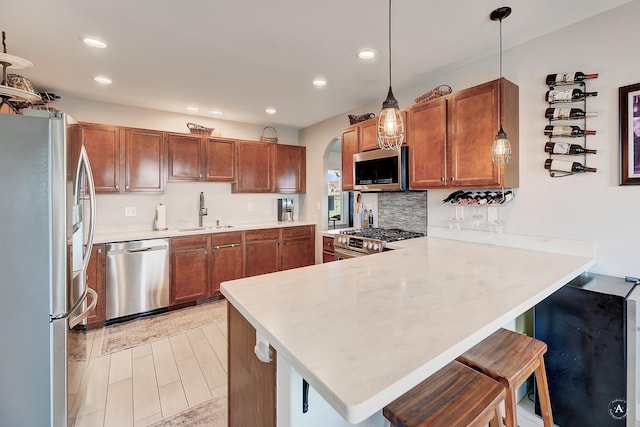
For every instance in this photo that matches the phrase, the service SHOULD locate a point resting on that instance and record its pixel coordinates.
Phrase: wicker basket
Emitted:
(434, 93)
(272, 139)
(197, 129)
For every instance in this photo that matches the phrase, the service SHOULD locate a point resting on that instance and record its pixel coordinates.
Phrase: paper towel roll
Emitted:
(161, 217)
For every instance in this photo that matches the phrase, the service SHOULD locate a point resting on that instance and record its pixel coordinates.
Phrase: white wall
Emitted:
(586, 207)
(181, 198)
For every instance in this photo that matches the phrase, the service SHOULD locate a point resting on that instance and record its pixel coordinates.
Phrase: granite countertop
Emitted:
(363, 331)
(189, 230)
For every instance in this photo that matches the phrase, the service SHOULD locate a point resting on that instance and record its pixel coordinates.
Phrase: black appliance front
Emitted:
(583, 324)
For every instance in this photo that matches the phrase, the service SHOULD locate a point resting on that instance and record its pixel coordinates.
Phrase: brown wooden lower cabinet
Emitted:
(95, 280)
(227, 259)
(262, 251)
(252, 383)
(189, 269)
(327, 249)
(298, 249)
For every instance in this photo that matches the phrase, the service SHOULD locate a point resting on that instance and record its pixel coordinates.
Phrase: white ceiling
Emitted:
(241, 56)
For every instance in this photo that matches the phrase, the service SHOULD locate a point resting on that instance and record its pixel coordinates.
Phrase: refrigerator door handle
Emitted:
(80, 317)
(85, 166)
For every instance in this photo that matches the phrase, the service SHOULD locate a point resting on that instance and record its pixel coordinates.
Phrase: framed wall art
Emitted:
(629, 134)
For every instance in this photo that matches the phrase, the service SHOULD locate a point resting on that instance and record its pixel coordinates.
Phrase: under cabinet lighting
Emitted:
(216, 112)
(192, 108)
(103, 80)
(94, 42)
(270, 110)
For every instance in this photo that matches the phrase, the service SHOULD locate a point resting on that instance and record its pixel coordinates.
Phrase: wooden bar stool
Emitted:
(455, 396)
(510, 358)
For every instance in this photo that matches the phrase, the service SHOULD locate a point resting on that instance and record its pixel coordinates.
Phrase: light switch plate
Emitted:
(130, 211)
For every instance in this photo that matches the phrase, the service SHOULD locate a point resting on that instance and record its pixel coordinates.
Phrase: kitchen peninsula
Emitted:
(364, 331)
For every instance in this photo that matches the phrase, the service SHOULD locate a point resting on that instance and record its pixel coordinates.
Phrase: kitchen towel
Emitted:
(161, 217)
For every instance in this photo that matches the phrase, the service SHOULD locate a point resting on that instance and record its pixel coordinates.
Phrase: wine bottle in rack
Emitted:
(452, 196)
(567, 95)
(567, 113)
(568, 78)
(566, 166)
(566, 148)
(573, 131)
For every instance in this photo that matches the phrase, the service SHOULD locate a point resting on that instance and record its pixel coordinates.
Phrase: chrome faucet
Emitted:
(203, 211)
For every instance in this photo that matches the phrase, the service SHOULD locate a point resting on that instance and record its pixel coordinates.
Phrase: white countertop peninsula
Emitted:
(363, 331)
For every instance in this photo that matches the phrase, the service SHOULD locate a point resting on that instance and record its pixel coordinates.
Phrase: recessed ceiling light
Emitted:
(319, 82)
(367, 54)
(216, 112)
(270, 110)
(103, 80)
(192, 108)
(94, 42)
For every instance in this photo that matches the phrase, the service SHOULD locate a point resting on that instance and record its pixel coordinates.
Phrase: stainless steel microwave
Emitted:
(381, 170)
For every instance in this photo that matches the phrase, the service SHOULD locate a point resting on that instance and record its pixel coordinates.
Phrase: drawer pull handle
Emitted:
(231, 245)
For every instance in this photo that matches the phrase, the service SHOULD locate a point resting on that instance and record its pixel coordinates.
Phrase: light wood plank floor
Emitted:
(142, 385)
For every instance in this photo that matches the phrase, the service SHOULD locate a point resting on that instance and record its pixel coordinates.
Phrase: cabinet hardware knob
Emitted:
(453, 179)
(442, 178)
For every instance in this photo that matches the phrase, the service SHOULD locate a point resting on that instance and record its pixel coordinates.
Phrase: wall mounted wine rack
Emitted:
(567, 122)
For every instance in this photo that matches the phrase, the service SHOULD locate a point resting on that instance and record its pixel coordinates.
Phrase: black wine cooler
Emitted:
(591, 328)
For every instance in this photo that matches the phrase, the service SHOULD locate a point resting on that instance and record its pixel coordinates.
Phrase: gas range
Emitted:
(352, 243)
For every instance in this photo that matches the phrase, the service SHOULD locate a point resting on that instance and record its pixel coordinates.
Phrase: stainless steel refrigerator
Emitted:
(47, 211)
(592, 328)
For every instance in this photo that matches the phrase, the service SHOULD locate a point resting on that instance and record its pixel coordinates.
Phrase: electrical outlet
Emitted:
(130, 211)
(249, 206)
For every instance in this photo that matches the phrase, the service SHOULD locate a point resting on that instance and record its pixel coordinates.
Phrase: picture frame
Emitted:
(629, 98)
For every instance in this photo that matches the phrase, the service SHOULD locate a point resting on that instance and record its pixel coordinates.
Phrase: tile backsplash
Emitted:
(406, 210)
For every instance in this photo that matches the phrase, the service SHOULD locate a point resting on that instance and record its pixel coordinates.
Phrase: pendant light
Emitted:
(390, 123)
(501, 147)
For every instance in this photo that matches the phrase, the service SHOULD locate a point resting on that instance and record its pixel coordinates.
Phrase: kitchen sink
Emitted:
(185, 230)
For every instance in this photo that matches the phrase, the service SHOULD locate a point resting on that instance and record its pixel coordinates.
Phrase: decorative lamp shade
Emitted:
(501, 148)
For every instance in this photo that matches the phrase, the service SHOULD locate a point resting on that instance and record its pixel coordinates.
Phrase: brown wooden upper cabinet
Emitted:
(200, 158)
(102, 143)
(144, 161)
(290, 168)
(254, 165)
(450, 138)
(368, 138)
(349, 148)
(119, 155)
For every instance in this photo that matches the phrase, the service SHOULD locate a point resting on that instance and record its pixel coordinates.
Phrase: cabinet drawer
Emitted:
(327, 244)
(266, 234)
(226, 239)
(289, 232)
(191, 242)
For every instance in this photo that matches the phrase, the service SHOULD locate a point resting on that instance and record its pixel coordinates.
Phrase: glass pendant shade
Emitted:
(390, 124)
(501, 148)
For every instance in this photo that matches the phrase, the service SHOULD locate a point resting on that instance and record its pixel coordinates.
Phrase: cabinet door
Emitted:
(255, 171)
(227, 259)
(427, 139)
(261, 252)
(290, 169)
(189, 269)
(368, 135)
(349, 148)
(473, 125)
(95, 280)
(327, 249)
(102, 143)
(184, 157)
(144, 161)
(252, 383)
(298, 249)
(220, 159)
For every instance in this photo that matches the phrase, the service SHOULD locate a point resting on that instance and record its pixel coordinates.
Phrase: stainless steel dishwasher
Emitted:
(137, 277)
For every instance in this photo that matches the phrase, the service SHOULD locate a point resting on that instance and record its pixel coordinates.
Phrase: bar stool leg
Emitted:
(510, 409)
(496, 421)
(543, 392)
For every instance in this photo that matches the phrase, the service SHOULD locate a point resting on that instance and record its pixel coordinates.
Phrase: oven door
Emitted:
(341, 253)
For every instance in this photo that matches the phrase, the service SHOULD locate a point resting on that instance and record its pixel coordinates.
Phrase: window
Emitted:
(338, 214)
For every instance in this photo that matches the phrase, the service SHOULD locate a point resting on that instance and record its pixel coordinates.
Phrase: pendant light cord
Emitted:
(500, 94)
(389, 43)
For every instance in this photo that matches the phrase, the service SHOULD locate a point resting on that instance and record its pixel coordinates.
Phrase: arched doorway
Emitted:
(337, 201)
